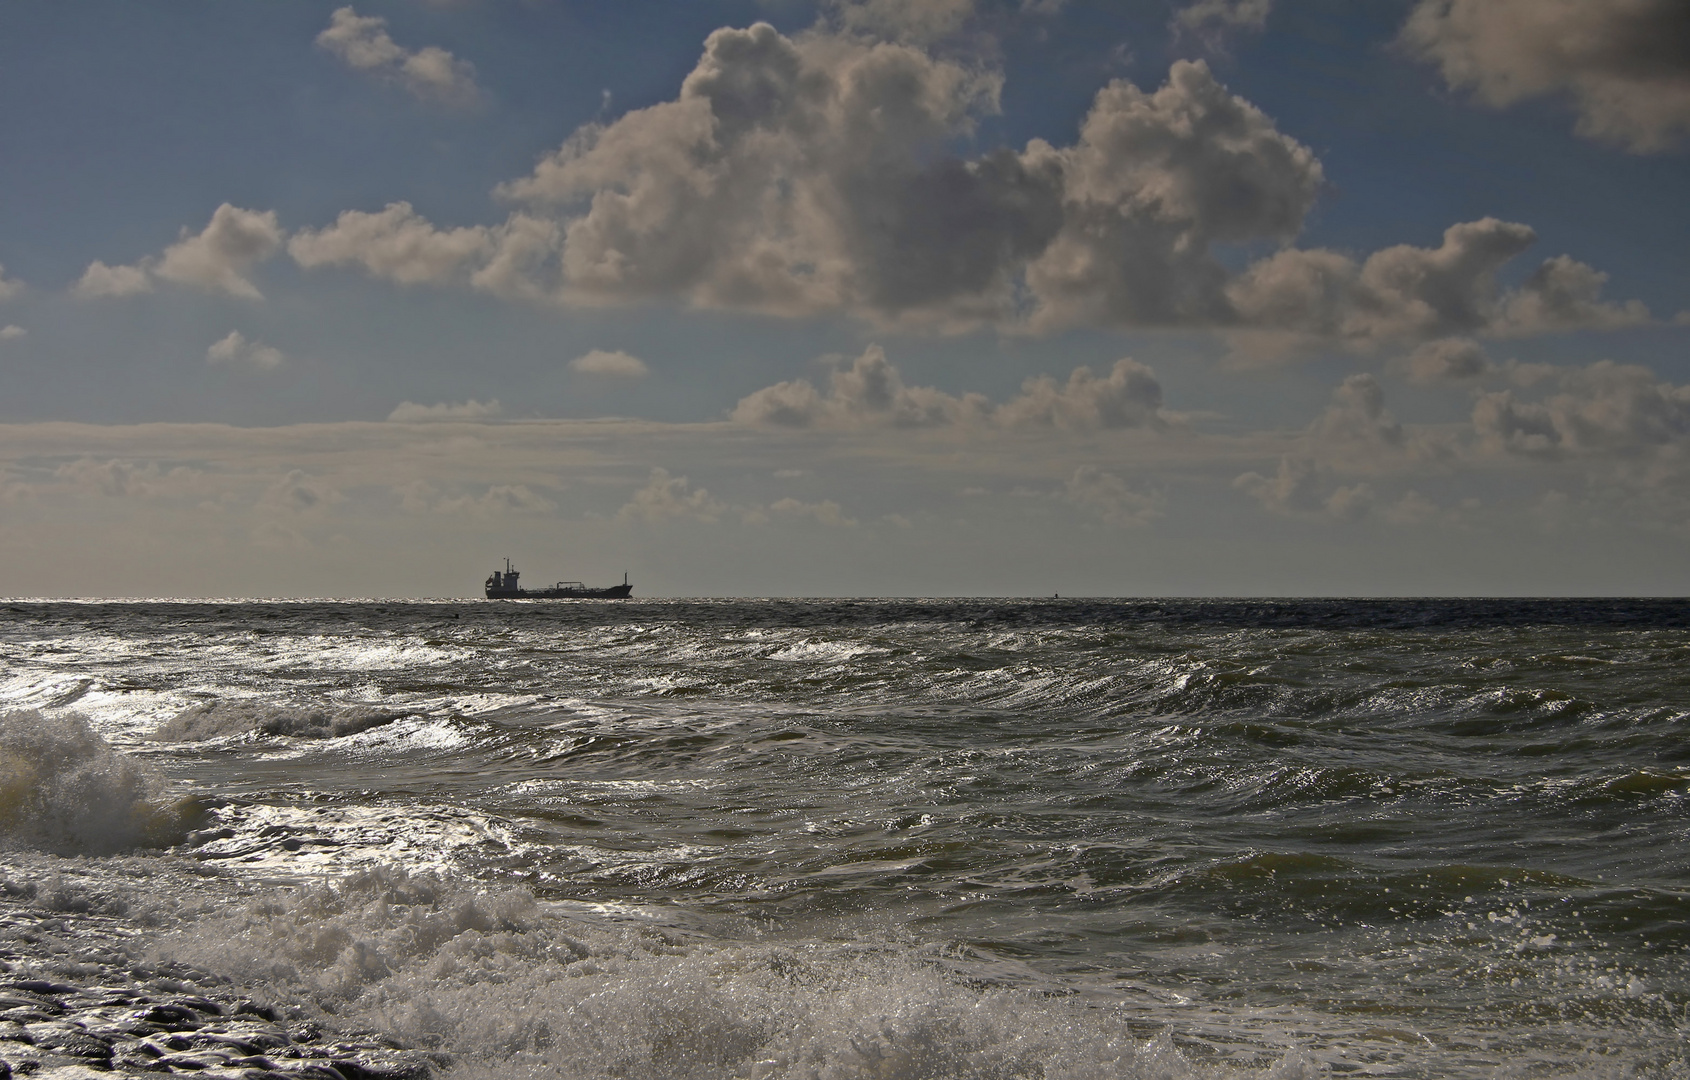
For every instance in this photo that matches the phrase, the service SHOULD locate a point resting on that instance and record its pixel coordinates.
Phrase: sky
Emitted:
(845, 297)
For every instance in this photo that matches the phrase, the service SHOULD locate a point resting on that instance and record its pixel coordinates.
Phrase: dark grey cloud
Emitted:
(1624, 63)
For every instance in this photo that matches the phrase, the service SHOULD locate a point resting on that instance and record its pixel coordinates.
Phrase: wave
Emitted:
(223, 719)
(64, 789)
(511, 988)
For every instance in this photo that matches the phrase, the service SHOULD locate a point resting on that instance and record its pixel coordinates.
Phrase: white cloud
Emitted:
(1623, 62)
(616, 364)
(431, 73)
(810, 174)
(670, 498)
(797, 175)
(9, 287)
(872, 393)
(236, 349)
(409, 412)
(1410, 292)
(1604, 409)
(394, 243)
(102, 280)
(12, 331)
(215, 259)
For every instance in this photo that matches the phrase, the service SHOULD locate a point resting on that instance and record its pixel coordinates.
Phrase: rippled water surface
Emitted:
(887, 838)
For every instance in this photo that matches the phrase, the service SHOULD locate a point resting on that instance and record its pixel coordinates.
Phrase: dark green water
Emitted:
(912, 838)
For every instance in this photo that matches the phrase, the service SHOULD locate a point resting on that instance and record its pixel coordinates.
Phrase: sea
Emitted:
(894, 838)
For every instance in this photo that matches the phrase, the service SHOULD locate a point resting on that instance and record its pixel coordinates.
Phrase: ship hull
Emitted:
(611, 592)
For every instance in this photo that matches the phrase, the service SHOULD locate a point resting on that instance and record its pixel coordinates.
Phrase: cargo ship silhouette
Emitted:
(503, 586)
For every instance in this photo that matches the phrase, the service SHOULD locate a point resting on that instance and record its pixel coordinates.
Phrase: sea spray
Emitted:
(64, 789)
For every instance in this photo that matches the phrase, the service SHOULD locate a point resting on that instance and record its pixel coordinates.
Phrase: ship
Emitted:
(503, 586)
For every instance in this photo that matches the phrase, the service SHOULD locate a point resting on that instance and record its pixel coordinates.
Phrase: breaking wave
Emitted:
(515, 988)
(64, 790)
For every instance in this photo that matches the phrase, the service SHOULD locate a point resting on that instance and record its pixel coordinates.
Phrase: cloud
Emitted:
(616, 364)
(1411, 292)
(102, 280)
(409, 412)
(872, 393)
(1624, 63)
(1111, 498)
(430, 74)
(901, 20)
(9, 287)
(827, 512)
(1212, 20)
(236, 349)
(498, 500)
(1454, 359)
(11, 332)
(214, 260)
(670, 498)
(1605, 409)
(1355, 433)
(801, 175)
(1129, 396)
(1564, 294)
(394, 243)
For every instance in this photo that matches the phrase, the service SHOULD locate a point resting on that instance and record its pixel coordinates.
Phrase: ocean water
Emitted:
(893, 839)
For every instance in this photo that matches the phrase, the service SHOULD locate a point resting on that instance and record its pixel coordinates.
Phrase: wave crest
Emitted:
(63, 789)
(222, 719)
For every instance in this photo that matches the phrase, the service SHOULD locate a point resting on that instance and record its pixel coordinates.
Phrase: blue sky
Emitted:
(936, 296)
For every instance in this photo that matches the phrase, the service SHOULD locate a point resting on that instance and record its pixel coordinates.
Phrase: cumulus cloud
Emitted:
(1129, 396)
(667, 498)
(215, 259)
(796, 175)
(1413, 292)
(102, 280)
(12, 331)
(872, 393)
(395, 242)
(431, 73)
(1603, 409)
(1355, 433)
(236, 349)
(409, 412)
(1624, 63)
(9, 287)
(1454, 359)
(816, 173)
(616, 364)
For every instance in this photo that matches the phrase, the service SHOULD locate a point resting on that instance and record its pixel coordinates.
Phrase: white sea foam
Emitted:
(64, 789)
(513, 988)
